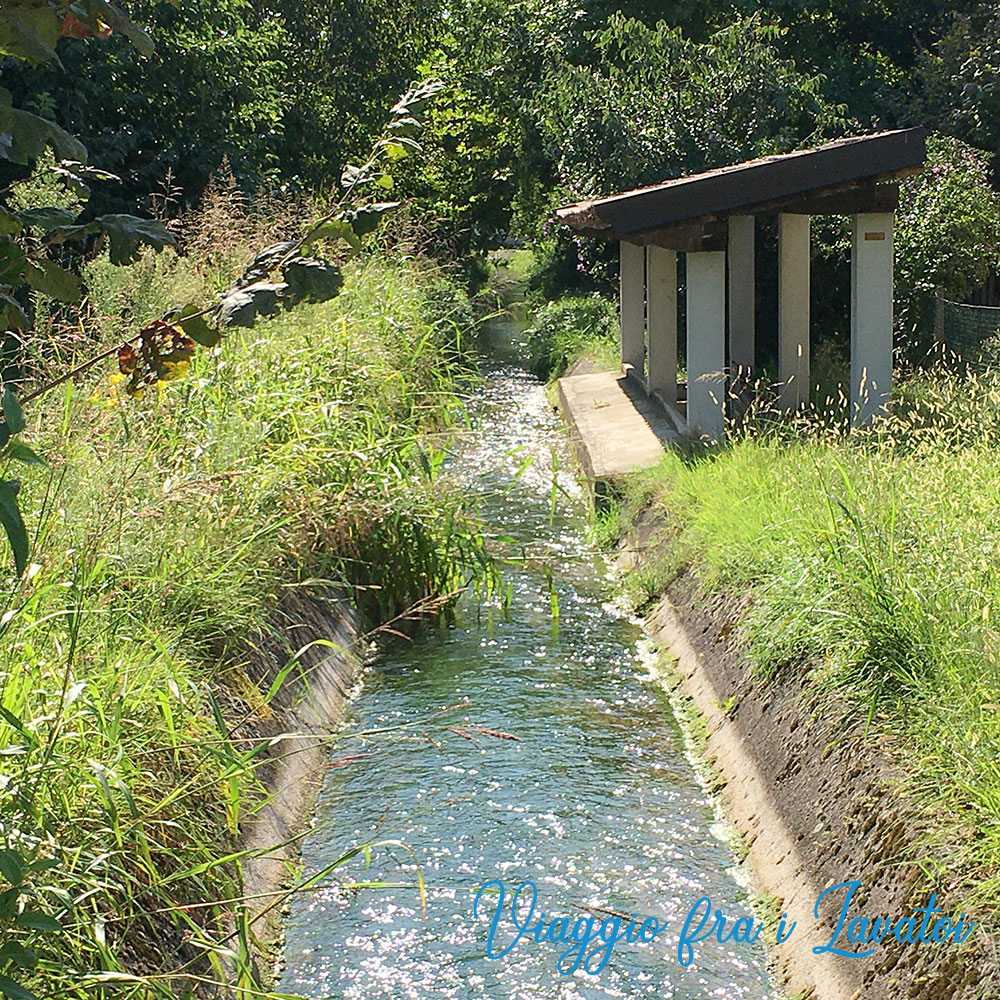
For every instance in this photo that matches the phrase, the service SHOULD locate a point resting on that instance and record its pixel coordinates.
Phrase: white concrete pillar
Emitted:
(632, 297)
(706, 344)
(793, 309)
(661, 321)
(741, 293)
(871, 315)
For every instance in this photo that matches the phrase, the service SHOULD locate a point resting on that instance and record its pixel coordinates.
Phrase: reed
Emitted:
(303, 453)
(871, 558)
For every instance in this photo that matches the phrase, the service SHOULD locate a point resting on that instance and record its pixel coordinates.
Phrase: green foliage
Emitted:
(161, 351)
(568, 328)
(297, 459)
(866, 52)
(716, 102)
(28, 32)
(344, 60)
(21, 923)
(285, 92)
(550, 102)
(947, 233)
(868, 561)
(728, 99)
(960, 75)
(213, 88)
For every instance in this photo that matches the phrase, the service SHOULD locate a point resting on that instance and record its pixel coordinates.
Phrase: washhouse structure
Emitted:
(709, 217)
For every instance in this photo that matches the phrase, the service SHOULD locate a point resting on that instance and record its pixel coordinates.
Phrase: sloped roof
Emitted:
(754, 186)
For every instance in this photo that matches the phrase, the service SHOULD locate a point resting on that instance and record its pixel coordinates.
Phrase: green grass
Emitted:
(572, 328)
(872, 560)
(299, 454)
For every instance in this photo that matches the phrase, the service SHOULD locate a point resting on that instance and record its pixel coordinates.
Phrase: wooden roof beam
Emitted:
(755, 186)
(848, 201)
(685, 237)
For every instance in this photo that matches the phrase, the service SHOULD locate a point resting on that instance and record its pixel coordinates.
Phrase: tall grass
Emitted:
(300, 454)
(872, 563)
(572, 328)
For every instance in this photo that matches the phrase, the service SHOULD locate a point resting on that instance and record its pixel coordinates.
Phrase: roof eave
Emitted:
(755, 185)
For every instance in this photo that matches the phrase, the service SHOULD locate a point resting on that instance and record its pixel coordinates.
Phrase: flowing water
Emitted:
(595, 801)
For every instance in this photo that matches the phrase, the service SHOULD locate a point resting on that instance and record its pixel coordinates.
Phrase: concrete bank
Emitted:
(817, 802)
(323, 629)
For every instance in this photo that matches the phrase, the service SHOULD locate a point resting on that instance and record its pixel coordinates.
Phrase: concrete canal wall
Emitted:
(816, 801)
(308, 706)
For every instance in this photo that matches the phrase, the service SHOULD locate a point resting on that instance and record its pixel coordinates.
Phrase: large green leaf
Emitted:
(70, 234)
(242, 306)
(399, 148)
(15, 991)
(12, 263)
(13, 525)
(29, 32)
(11, 866)
(195, 326)
(351, 176)
(126, 234)
(12, 316)
(25, 136)
(38, 921)
(9, 224)
(20, 452)
(49, 278)
(18, 954)
(48, 217)
(77, 176)
(335, 229)
(265, 262)
(406, 126)
(414, 101)
(12, 414)
(117, 21)
(366, 219)
(312, 279)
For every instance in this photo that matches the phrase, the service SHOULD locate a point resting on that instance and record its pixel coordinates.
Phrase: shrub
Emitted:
(947, 233)
(568, 328)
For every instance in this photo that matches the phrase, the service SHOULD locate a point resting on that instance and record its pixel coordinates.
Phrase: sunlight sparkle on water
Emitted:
(596, 800)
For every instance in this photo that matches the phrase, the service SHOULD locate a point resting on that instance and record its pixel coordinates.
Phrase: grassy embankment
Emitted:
(164, 532)
(873, 561)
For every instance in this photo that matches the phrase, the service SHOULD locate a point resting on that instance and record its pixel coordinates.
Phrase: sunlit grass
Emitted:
(569, 329)
(873, 560)
(302, 455)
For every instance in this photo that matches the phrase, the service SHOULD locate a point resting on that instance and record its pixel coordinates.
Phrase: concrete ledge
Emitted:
(615, 427)
(324, 632)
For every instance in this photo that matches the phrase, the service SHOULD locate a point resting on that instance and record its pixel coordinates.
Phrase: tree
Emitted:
(655, 104)
(961, 79)
(345, 59)
(212, 89)
(947, 233)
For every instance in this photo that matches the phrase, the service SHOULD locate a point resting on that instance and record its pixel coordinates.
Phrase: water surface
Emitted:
(595, 801)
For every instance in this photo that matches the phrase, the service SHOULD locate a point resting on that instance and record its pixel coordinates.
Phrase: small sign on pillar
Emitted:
(871, 315)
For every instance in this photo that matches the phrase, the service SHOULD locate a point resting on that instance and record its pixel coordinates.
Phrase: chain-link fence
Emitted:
(971, 333)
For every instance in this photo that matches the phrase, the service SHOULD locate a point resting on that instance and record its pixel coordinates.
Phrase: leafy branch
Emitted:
(279, 277)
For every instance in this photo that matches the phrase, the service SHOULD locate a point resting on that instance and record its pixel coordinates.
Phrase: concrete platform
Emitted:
(614, 426)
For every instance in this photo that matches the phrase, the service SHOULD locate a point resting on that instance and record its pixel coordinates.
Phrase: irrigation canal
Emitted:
(596, 801)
